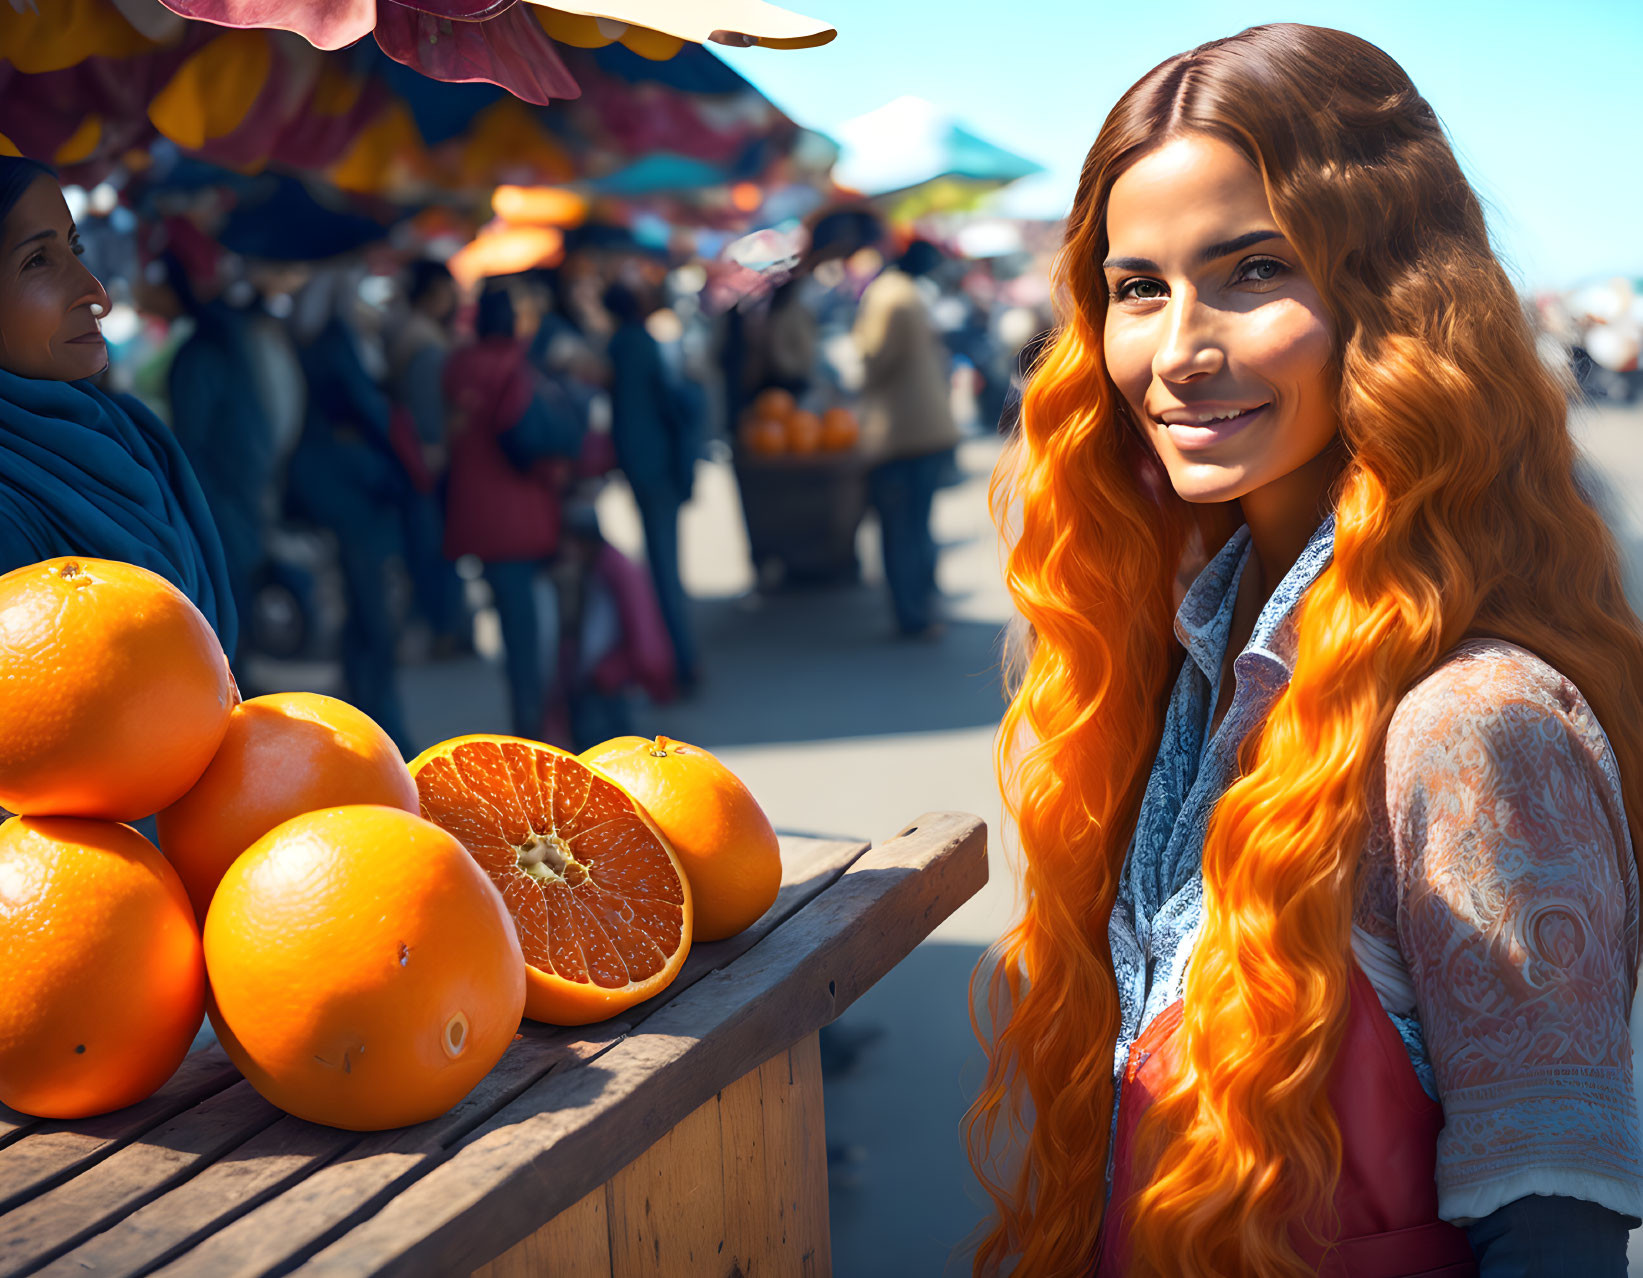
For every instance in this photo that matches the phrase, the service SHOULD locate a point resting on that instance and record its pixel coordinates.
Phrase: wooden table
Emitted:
(682, 1138)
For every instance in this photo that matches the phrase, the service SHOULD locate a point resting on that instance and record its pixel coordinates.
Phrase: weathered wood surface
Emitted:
(161, 1220)
(778, 1167)
(44, 1152)
(203, 1179)
(119, 1184)
(738, 1187)
(574, 1244)
(567, 1133)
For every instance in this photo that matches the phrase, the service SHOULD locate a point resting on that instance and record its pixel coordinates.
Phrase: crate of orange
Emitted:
(803, 484)
(503, 1010)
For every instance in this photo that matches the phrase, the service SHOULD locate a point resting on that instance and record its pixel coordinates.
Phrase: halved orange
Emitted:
(600, 901)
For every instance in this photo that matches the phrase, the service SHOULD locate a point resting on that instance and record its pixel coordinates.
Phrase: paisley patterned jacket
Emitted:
(1497, 910)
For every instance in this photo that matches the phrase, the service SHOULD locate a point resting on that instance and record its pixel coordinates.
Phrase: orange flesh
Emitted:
(593, 890)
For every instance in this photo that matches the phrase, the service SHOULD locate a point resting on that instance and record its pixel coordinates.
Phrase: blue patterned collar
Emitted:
(1203, 622)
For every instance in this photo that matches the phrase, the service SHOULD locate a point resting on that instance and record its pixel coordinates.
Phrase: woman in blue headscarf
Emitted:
(83, 472)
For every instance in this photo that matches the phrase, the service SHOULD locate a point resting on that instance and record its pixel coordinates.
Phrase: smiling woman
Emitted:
(49, 302)
(83, 472)
(1332, 910)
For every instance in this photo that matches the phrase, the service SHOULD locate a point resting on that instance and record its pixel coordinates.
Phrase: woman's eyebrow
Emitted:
(1226, 248)
(46, 234)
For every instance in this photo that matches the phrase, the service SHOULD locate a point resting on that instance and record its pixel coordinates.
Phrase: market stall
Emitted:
(439, 100)
(683, 1138)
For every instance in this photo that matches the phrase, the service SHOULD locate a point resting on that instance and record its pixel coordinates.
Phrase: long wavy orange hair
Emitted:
(1457, 513)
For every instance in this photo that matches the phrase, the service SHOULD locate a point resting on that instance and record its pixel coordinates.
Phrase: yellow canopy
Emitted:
(735, 22)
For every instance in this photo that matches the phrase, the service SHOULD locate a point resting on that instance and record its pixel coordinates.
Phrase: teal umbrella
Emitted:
(910, 142)
(657, 174)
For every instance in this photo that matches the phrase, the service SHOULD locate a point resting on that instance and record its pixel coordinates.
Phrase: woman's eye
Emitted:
(77, 248)
(1141, 290)
(1262, 270)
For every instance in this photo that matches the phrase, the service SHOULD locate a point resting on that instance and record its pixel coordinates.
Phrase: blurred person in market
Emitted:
(225, 431)
(907, 429)
(345, 476)
(612, 637)
(418, 345)
(788, 339)
(656, 427)
(560, 348)
(83, 472)
(1026, 359)
(279, 381)
(512, 449)
(556, 324)
(979, 342)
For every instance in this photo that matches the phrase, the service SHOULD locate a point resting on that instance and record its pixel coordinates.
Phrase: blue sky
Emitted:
(1544, 102)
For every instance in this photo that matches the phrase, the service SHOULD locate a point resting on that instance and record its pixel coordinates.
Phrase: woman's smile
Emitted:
(1205, 425)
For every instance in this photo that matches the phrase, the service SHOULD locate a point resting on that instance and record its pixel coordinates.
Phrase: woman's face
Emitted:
(1218, 343)
(49, 302)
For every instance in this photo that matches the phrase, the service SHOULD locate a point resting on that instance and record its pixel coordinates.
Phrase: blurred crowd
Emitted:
(1600, 325)
(389, 454)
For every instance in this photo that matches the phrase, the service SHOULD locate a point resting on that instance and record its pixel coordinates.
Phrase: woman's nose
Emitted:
(94, 294)
(1189, 347)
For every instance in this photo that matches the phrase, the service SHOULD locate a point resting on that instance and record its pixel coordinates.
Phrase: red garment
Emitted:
(492, 508)
(645, 655)
(1387, 1198)
(402, 438)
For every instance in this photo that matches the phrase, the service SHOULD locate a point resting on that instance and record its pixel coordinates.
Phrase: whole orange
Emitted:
(103, 981)
(364, 972)
(283, 754)
(774, 404)
(767, 438)
(711, 820)
(117, 693)
(804, 432)
(840, 430)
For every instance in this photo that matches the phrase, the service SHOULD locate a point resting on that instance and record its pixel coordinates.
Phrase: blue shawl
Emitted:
(86, 473)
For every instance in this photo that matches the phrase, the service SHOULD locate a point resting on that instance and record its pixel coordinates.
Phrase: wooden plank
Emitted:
(796, 1164)
(282, 1157)
(371, 1165)
(750, 1203)
(666, 1209)
(739, 1187)
(775, 1168)
(50, 1152)
(354, 1175)
(276, 1157)
(568, 1133)
(14, 1124)
(574, 1244)
(42, 1228)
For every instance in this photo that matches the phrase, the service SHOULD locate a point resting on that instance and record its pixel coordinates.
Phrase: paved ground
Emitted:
(840, 729)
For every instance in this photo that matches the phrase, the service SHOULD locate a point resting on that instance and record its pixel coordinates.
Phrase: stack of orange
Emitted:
(776, 426)
(363, 965)
(120, 706)
(105, 978)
